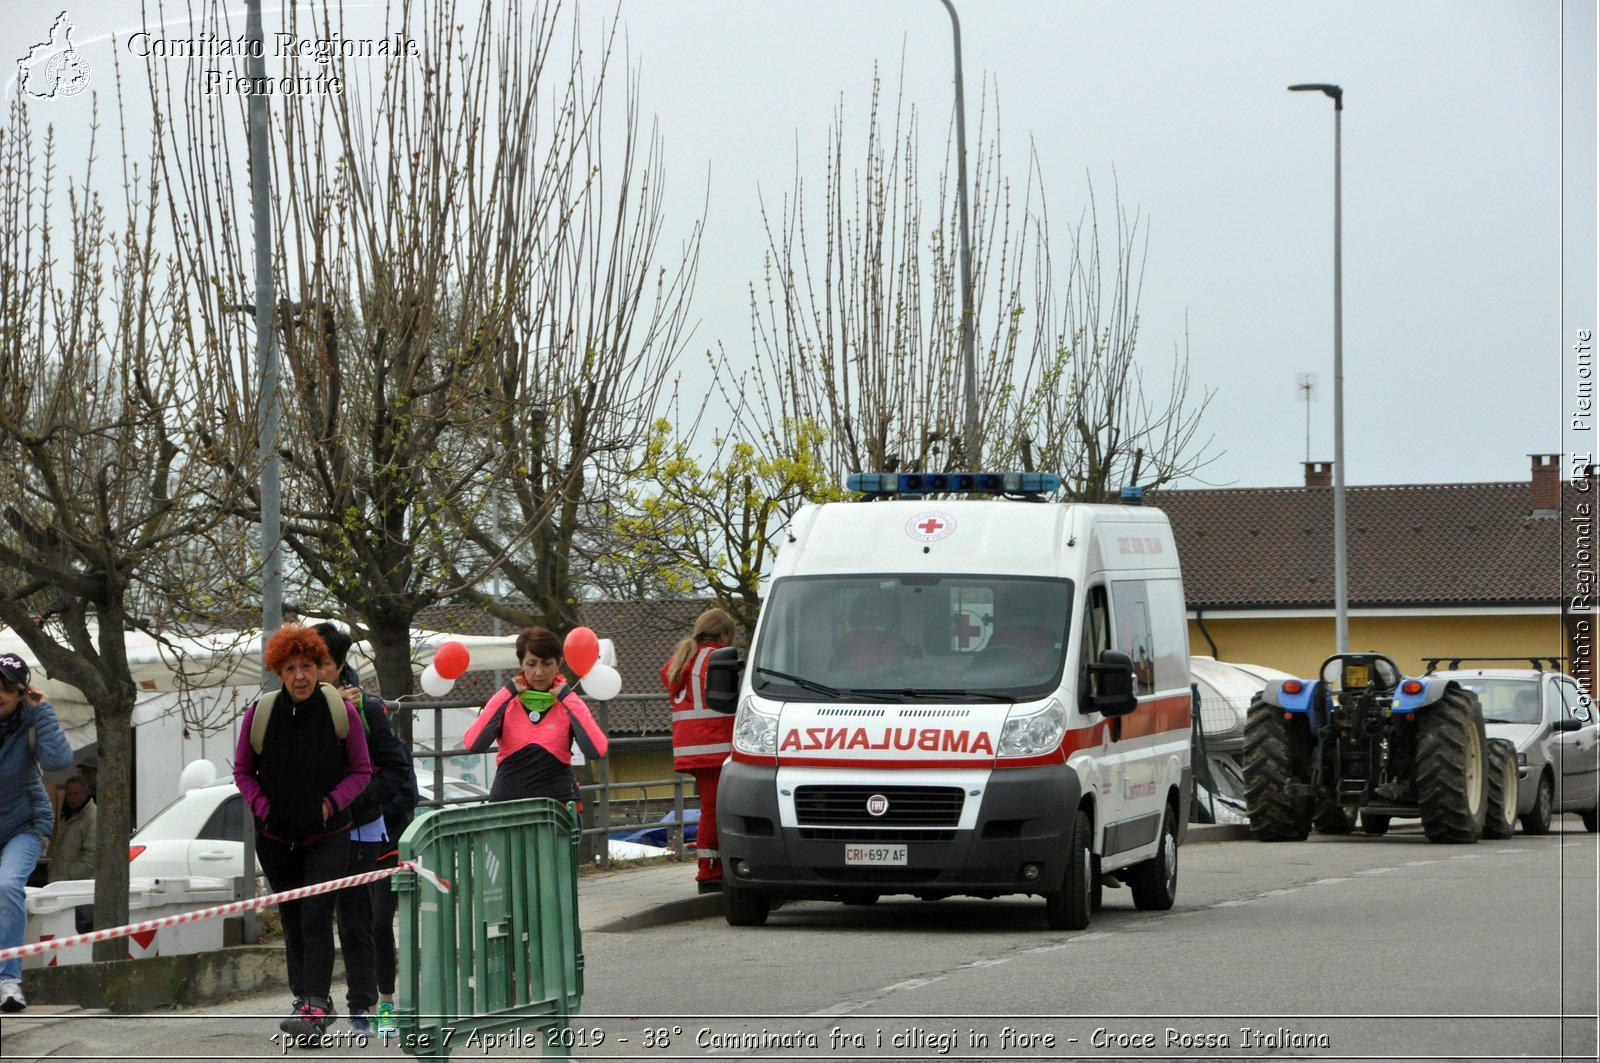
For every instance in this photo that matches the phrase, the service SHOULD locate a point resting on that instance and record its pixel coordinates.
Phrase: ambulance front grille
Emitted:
(871, 835)
(909, 806)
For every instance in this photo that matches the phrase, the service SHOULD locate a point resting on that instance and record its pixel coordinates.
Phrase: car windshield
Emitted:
(184, 817)
(1506, 700)
(912, 637)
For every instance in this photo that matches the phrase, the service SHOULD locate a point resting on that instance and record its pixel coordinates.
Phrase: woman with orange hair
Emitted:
(301, 760)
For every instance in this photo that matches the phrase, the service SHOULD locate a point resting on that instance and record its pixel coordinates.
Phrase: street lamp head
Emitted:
(1333, 91)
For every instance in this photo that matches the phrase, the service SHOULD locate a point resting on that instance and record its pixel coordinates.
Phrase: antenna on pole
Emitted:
(1305, 386)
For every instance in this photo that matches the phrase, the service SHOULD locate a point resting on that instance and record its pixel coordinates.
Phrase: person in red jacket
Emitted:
(702, 737)
(534, 719)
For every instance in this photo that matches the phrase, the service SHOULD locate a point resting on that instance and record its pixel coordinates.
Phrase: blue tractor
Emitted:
(1363, 742)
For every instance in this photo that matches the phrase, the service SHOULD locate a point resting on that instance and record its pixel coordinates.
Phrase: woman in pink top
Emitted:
(534, 719)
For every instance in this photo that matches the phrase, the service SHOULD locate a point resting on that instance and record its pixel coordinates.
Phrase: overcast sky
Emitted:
(1469, 249)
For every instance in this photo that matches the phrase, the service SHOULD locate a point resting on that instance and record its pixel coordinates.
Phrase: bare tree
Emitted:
(1090, 418)
(857, 330)
(476, 315)
(861, 326)
(111, 509)
(860, 322)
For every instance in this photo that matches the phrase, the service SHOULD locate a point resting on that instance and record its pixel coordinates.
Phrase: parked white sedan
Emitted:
(202, 832)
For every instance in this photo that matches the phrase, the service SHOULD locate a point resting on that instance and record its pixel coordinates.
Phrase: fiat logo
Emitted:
(877, 805)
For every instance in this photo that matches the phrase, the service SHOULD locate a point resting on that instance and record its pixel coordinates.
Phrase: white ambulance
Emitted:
(977, 696)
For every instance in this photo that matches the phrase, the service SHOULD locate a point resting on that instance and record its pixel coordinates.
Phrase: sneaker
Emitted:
(310, 1019)
(384, 1024)
(360, 1021)
(286, 1024)
(11, 998)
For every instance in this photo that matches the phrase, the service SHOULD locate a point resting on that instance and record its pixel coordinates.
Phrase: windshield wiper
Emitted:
(823, 689)
(801, 681)
(1496, 719)
(952, 692)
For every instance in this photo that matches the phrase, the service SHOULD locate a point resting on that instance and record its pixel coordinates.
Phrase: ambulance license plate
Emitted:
(882, 855)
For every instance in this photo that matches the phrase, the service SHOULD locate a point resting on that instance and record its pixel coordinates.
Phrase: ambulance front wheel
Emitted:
(742, 907)
(1068, 908)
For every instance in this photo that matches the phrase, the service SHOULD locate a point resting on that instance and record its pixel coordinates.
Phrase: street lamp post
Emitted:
(1341, 596)
(969, 359)
(266, 342)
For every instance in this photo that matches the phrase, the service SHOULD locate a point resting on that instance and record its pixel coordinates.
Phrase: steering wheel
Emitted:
(1011, 655)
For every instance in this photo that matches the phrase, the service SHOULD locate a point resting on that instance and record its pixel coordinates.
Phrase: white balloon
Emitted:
(608, 652)
(602, 682)
(196, 773)
(435, 684)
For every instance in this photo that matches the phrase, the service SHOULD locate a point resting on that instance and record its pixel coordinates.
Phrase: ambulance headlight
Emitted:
(1034, 734)
(754, 730)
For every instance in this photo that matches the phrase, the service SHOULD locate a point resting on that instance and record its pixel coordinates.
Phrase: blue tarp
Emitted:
(661, 834)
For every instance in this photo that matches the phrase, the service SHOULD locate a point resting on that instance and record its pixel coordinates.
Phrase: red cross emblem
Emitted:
(930, 527)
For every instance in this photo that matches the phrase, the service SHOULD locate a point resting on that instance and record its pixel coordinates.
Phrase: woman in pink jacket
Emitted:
(534, 719)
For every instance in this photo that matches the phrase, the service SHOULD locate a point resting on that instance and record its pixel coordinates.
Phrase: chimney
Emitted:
(1546, 487)
(1318, 473)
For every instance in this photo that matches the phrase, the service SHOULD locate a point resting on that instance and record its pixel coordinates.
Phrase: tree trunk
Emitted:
(390, 638)
(113, 724)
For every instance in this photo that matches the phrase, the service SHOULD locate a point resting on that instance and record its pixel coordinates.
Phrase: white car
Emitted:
(1553, 724)
(202, 832)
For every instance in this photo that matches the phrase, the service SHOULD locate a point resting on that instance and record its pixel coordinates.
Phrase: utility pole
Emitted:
(266, 341)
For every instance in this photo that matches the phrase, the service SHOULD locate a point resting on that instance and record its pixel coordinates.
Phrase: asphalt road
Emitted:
(1335, 948)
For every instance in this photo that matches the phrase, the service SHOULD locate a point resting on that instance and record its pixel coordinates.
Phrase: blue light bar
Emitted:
(916, 484)
(1132, 495)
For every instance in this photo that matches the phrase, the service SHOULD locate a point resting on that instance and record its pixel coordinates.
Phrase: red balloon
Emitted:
(451, 660)
(581, 650)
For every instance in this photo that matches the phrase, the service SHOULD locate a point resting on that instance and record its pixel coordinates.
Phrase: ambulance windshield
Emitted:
(978, 637)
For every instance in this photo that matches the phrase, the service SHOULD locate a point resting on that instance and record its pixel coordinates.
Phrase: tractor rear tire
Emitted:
(1501, 822)
(1452, 768)
(1277, 754)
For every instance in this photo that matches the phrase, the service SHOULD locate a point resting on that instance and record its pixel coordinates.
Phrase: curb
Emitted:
(1217, 832)
(701, 906)
(160, 982)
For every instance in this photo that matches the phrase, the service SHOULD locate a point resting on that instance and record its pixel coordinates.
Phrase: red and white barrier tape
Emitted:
(41, 947)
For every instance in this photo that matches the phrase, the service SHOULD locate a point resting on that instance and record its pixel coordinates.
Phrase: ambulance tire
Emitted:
(742, 907)
(1452, 777)
(1068, 908)
(1155, 882)
(1335, 819)
(1374, 823)
(1501, 821)
(1277, 755)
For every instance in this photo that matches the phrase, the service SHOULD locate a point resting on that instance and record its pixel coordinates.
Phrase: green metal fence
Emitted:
(498, 960)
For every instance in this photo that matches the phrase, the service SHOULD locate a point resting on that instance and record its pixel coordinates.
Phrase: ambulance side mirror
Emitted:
(724, 669)
(1111, 684)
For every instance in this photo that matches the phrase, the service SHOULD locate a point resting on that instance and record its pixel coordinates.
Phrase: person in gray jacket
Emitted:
(30, 740)
(72, 855)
